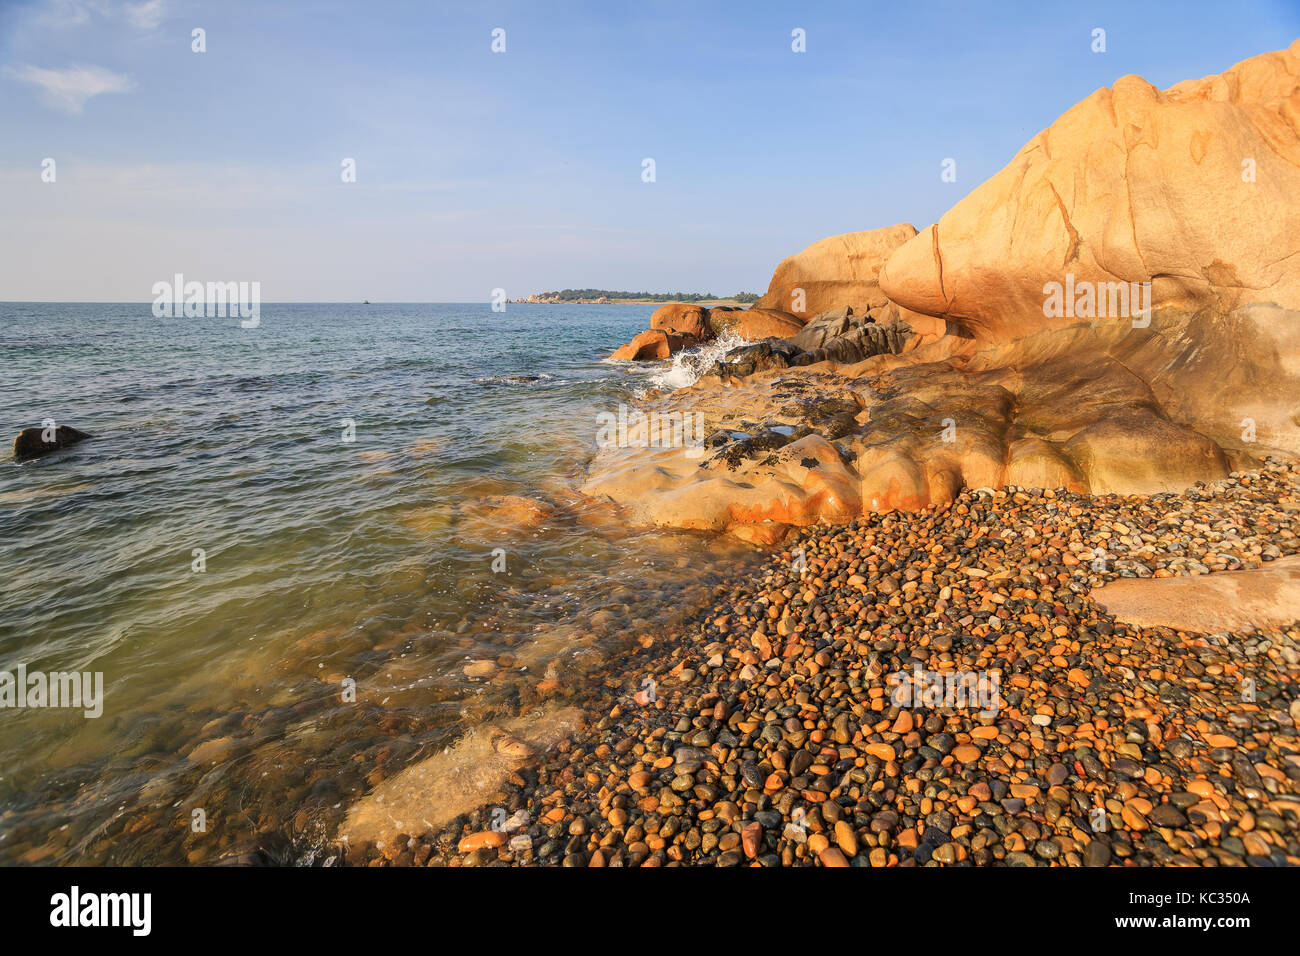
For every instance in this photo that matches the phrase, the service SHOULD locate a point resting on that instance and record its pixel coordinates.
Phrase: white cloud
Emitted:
(62, 14)
(145, 16)
(69, 89)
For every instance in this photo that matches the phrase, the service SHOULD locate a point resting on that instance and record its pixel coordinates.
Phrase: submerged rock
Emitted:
(427, 795)
(510, 512)
(31, 443)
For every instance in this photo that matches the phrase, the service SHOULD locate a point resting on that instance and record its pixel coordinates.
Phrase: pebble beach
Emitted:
(768, 729)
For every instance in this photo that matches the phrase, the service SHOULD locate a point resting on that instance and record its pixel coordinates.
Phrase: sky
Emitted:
(523, 170)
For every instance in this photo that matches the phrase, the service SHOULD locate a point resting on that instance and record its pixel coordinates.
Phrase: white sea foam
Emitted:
(689, 364)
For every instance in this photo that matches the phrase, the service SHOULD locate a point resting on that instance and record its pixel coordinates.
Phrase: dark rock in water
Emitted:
(31, 443)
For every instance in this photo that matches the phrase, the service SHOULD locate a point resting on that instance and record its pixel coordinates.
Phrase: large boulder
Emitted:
(651, 345)
(683, 319)
(1116, 312)
(836, 272)
(754, 324)
(31, 443)
(1194, 189)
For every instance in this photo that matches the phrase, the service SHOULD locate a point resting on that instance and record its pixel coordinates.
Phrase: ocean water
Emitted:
(229, 560)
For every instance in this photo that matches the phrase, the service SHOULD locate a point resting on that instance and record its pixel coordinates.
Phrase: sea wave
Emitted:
(689, 364)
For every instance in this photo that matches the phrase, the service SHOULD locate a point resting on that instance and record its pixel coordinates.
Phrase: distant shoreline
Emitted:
(704, 303)
(626, 297)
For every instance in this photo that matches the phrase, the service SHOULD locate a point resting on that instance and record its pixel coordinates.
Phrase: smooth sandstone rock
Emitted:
(692, 320)
(651, 345)
(1130, 184)
(997, 391)
(1195, 189)
(1268, 596)
(754, 324)
(835, 272)
(481, 840)
(426, 795)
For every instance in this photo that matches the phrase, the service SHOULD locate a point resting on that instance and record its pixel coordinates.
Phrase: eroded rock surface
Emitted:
(792, 447)
(1116, 311)
(1195, 190)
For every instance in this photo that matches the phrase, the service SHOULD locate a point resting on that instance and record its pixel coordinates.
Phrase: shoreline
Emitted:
(1111, 743)
(703, 303)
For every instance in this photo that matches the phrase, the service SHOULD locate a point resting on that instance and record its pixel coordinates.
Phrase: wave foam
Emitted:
(689, 364)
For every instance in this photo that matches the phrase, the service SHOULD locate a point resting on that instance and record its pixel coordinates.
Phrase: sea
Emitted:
(291, 555)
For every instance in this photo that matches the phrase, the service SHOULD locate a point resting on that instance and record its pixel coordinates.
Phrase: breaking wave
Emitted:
(689, 364)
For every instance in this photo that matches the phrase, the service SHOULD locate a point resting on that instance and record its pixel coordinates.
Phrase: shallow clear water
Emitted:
(326, 559)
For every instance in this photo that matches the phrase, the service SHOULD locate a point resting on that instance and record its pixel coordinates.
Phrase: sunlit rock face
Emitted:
(1116, 311)
(1191, 196)
(835, 272)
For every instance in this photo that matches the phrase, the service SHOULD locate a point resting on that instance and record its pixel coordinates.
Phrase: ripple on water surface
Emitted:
(229, 561)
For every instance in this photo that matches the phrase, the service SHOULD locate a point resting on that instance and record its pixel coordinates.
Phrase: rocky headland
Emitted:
(1115, 311)
(1040, 445)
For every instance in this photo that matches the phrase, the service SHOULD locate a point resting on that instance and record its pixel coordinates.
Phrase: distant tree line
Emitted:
(573, 295)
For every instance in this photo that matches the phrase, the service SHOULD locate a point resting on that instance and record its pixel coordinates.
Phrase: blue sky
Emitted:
(522, 170)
